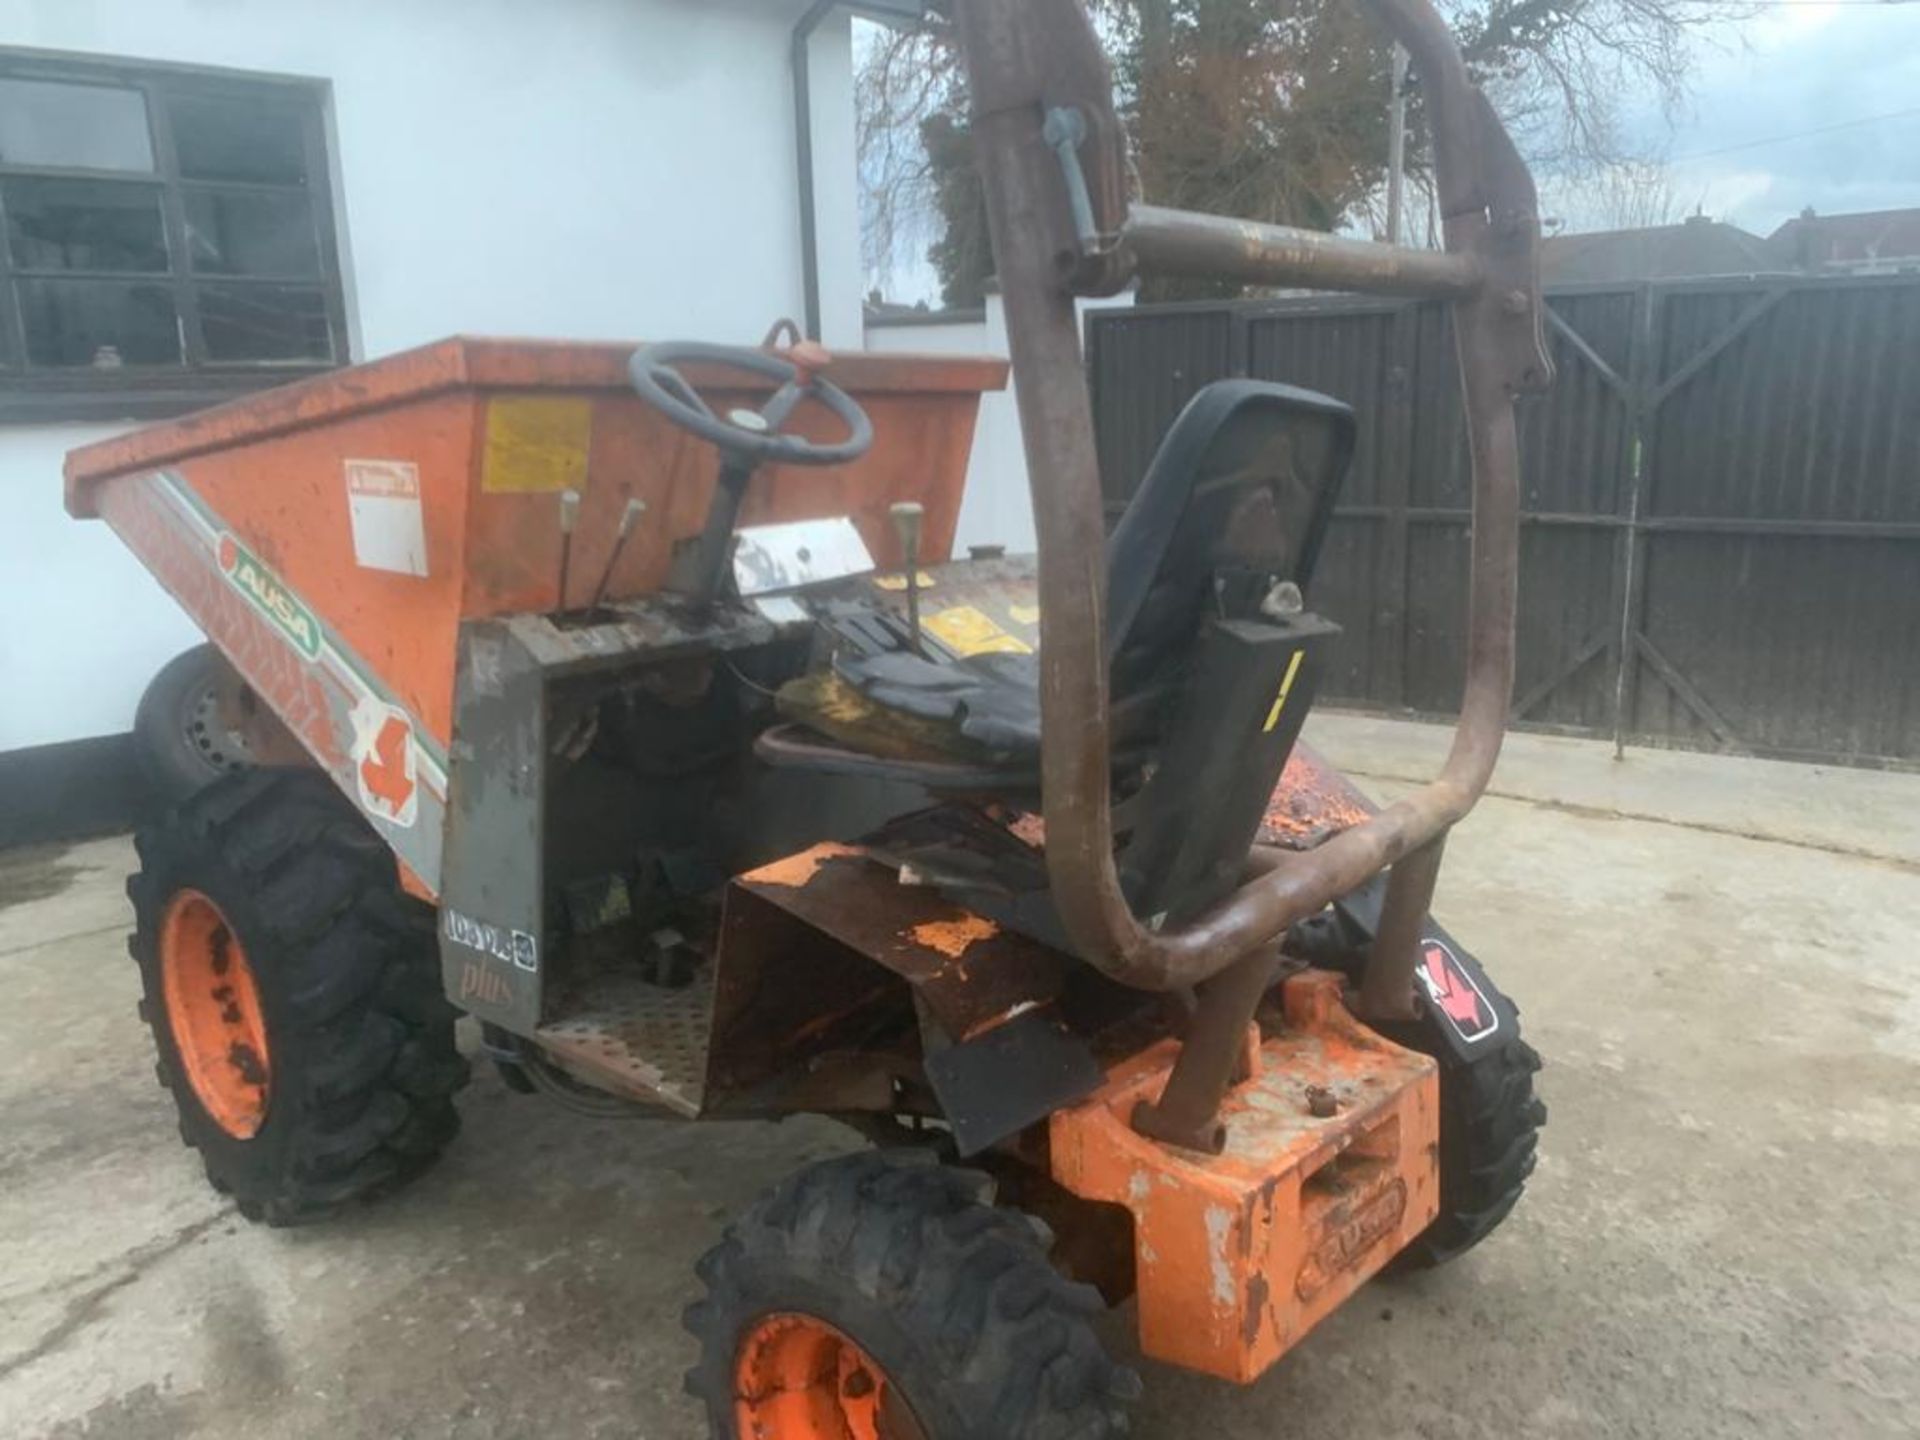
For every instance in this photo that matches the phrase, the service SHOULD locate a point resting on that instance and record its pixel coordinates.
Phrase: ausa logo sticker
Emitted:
(1454, 994)
(246, 573)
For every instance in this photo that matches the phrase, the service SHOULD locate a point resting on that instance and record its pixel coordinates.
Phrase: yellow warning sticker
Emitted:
(922, 581)
(536, 443)
(1286, 688)
(972, 632)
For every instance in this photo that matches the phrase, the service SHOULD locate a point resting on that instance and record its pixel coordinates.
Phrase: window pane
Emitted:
(85, 126)
(99, 323)
(251, 232)
(85, 225)
(219, 138)
(264, 322)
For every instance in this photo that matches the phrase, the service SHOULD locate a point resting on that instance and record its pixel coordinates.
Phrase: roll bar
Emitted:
(1052, 154)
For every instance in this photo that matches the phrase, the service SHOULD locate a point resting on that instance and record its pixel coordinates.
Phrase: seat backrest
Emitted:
(1244, 480)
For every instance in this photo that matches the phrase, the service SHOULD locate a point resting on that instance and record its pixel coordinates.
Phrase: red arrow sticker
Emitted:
(383, 765)
(1454, 993)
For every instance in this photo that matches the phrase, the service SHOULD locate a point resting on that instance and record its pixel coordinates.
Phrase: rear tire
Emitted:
(1490, 1122)
(905, 1263)
(335, 968)
(177, 732)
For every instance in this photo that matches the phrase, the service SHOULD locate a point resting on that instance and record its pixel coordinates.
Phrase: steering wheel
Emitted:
(752, 436)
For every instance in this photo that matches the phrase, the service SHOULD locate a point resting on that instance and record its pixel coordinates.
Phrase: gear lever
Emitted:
(629, 517)
(569, 517)
(906, 516)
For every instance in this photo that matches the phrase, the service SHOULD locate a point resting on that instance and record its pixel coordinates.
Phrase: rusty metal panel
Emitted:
(1721, 527)
(971, 973)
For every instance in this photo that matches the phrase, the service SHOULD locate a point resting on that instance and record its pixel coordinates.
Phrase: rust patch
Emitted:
(1311, 803)
(952, 937)
(793, 871)
(1256, 1313)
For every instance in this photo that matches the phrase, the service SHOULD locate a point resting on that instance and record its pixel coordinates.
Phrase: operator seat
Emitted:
(1236, 502)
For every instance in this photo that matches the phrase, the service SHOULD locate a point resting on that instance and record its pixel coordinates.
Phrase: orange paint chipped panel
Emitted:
(1031, 830)
(1239, 1255)
(1311, 803)
(793, 871)
(476, 363)
(952, 937)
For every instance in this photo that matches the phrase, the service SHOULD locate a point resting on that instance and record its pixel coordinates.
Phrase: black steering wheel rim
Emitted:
(657, 380)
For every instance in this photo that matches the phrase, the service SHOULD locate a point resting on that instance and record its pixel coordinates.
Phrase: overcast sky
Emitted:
(1800, 67)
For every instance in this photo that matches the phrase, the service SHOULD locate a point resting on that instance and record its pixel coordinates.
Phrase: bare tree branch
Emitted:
(1273, 109)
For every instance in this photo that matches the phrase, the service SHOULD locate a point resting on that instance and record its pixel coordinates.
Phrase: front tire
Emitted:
(881, 1294)
(294, 996)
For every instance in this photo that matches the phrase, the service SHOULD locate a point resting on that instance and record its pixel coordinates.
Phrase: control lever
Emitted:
(906, 516)
(629, 517)
(569, 517)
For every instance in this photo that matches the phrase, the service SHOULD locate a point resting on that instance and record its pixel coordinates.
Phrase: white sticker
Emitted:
(383, 498)
(499, 942)
(795, 553)
(384, 770)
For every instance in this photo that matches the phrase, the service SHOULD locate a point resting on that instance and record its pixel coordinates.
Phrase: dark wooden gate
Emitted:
(1721, 533)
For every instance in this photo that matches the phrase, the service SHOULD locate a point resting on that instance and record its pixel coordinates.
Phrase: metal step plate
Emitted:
(646, 1042)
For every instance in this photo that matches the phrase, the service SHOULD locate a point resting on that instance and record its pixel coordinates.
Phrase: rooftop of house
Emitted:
(1809, 240)
(1699, 245)
(1696, 246)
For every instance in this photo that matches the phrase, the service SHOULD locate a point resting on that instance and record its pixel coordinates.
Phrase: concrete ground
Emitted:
(1717, 958)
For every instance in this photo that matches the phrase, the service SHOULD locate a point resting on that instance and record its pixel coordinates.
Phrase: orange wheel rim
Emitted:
(798, 1378)
(213, 1008)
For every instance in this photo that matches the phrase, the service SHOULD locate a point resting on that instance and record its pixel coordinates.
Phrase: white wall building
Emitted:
(203, 197)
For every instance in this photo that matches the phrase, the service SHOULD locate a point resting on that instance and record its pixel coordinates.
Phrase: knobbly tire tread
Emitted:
(1490, 1122)
(953, 1298)
(360, 1035)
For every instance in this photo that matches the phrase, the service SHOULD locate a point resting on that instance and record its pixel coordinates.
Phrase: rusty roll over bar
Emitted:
(1181, 242)
(1057, 233)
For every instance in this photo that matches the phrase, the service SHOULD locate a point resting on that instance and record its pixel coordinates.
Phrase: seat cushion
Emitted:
(988, 703)
(898, 706)
(1237, 499)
